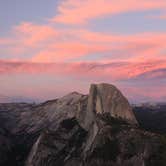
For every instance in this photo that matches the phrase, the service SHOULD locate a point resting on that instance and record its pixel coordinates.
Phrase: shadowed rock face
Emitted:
(115, 144)
(98, 129)
(57, 147)
(21, 124)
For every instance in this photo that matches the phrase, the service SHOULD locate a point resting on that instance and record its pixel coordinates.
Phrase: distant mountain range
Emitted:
(151, 116)
(15, 99)
(152, 105)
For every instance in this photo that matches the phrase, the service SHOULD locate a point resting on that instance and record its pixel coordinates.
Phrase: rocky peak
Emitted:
(97, 129)
(101, 132)
(71, 98)
(106, 98)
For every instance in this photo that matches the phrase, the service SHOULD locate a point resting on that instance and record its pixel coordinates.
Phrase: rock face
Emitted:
(21, 124)
(98, 129)
(115, 144)
(106, 98)
(57, 147)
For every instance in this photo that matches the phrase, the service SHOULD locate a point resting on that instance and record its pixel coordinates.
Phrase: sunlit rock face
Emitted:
(106, 98)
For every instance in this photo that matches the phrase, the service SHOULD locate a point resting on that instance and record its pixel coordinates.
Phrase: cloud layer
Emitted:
(66, 46)
(41, 43)
(112, 70)
(80, 12)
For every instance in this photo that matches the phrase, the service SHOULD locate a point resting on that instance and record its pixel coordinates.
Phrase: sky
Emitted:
(51, 48)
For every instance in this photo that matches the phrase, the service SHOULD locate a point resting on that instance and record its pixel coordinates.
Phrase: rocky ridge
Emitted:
(85, 130)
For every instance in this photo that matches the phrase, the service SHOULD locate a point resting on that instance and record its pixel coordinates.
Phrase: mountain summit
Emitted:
(77, 130)
(107, 99)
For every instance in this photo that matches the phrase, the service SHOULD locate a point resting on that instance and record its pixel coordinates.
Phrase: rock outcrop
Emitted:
(57, 147)
(106, 98)
(115, 144)
(21, 124)
(77, 130)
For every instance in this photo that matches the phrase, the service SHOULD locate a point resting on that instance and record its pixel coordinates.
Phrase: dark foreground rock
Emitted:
(57, 147)
(98, 129)
(116, 144)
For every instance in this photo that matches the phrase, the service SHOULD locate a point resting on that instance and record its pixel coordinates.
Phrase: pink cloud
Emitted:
(48, 44)
(80, 12)
(137, 46)
(26, 37)
(110, 70)
(78, 76)
(68, 52)
(35, 33)
(64, 51)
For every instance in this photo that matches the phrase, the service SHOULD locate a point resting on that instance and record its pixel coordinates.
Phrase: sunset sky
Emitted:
(49, 48)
